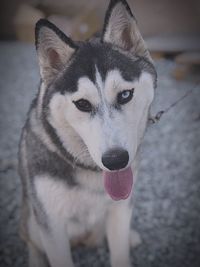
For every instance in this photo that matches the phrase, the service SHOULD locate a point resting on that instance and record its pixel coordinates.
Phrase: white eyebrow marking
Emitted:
(115, 83)
(86, 89)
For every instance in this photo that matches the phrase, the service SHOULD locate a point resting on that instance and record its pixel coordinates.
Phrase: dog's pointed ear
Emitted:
(120, 29)
(54, 49)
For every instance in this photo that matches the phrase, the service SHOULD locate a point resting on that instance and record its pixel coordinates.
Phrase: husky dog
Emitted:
(78, 148)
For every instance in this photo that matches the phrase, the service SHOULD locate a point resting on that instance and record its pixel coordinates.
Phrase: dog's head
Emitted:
(97, 94)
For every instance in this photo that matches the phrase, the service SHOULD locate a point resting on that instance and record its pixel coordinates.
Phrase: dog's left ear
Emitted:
(54, 49)
(120, 29)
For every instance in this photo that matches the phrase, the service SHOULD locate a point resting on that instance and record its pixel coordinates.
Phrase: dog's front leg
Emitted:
(118, 234)
(57, 247)
(50, 193)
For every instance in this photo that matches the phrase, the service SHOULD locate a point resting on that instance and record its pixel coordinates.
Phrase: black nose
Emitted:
(115, 159)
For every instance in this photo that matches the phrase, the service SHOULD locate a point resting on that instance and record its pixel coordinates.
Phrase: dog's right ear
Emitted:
(120, 29)
(54, 49)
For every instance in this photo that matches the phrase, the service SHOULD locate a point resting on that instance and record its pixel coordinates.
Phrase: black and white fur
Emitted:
(60, 164)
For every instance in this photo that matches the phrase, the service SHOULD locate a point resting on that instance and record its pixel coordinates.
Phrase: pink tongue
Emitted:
(118, 184)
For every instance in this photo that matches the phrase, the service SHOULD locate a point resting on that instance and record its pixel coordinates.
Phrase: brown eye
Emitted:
(83, 105)
(125, 96)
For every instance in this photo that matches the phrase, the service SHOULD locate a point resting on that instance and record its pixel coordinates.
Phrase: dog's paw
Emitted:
(135, 239)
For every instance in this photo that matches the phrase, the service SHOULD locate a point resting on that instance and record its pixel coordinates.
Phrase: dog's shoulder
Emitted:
(38, 154)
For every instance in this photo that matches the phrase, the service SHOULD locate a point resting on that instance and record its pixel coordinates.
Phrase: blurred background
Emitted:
(167, 193)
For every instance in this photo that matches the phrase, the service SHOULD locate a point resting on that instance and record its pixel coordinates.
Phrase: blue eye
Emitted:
(125, 96)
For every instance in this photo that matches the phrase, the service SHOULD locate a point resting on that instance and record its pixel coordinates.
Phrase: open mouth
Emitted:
(118, 184)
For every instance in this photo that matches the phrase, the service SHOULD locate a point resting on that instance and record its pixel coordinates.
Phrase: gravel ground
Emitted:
(167, 194)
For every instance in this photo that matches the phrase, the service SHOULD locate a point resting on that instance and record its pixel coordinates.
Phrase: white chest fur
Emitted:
(80, 208)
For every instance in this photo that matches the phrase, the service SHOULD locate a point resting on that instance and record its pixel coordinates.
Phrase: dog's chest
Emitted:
(80, 207)
(88, 211)
(90, 203)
